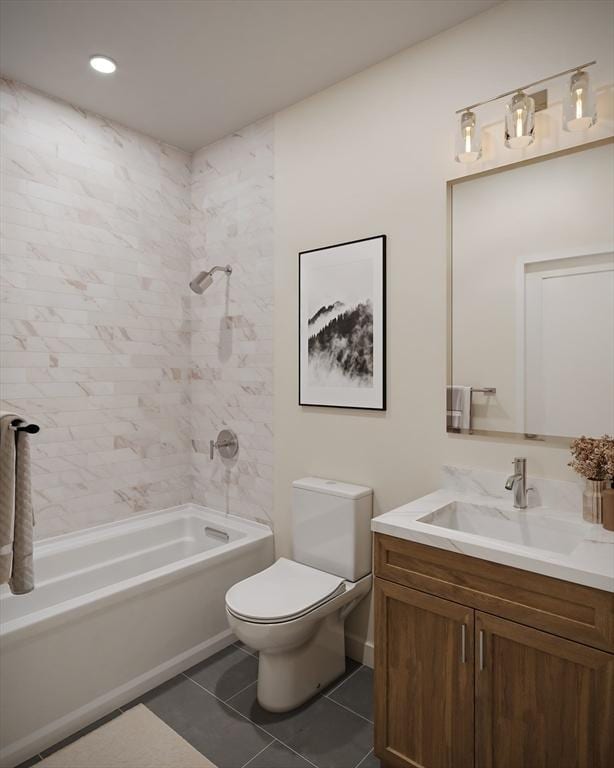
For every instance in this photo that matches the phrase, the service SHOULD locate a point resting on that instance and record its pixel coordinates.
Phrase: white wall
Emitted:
(371, 155)
(95, 323)
(232, 322)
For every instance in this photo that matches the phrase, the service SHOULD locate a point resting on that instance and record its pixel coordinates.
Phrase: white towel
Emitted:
(458, 407)
(16, 516)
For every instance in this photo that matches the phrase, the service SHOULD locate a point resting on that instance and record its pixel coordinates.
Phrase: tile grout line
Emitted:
(360, 666)
(362, 717)
(217, 698)
(264, 730)
(283, 742)
(287, 746)
(361, 761)
(253, 757)
(249, 653)
(242, 689)
(183, 674)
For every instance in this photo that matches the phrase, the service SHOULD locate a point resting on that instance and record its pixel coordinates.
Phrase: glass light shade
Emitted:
(519, 121)
(468, 146)
(579, 108)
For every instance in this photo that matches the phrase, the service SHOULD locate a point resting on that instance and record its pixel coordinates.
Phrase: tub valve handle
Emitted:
(227, 444)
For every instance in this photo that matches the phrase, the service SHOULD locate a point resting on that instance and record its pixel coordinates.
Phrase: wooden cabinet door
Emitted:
(424, 687)
(541, 701)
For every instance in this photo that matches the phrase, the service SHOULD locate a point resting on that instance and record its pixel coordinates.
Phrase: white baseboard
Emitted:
(59, 729)
(359, 649)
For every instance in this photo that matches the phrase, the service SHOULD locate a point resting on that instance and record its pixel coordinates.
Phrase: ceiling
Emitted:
(192, 71)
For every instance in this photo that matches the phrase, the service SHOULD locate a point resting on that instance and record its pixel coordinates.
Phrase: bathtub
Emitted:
(117, 609)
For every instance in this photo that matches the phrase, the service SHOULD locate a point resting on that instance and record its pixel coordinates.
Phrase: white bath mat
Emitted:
(135, 739)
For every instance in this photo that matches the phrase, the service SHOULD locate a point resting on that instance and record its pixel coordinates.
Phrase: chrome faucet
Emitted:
(518, 483)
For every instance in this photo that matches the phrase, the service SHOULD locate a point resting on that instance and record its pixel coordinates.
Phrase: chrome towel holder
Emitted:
(483, 391)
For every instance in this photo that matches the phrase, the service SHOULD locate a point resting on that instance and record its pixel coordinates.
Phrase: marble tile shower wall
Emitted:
(232, 322)
(95, 311)
(128, 373)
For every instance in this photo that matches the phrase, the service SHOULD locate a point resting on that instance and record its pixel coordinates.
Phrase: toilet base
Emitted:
(289, 678)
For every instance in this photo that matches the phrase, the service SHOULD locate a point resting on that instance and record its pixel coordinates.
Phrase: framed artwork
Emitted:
(342, 325)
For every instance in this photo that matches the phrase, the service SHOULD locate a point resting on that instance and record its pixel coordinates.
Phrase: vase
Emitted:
(592, 501)
(607, 509)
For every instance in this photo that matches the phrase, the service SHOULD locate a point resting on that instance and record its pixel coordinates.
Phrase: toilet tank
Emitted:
(331, 526)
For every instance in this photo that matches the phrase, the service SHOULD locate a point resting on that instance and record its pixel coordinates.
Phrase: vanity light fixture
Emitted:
(579, 108)
(519, 121)
(578, 113)
(103, 64)
(468, 146)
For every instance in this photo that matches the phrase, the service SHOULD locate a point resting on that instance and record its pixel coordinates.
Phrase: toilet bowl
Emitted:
(294, 615)
(294, 612)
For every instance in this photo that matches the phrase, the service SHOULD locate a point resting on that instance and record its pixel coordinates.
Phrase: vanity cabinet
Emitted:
(424, 679)
(540, 700)
(479, 664)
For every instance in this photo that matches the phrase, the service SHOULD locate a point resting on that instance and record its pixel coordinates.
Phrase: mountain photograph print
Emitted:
(342, 308)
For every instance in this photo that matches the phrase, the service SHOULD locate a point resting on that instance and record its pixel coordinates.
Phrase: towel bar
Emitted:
(18, 425)
(483, 391)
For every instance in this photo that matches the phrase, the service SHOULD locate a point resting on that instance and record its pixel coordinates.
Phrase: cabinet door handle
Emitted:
(481, 650)
(463, 643)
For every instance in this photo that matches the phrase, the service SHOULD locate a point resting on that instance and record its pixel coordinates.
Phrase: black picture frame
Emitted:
(356, 398)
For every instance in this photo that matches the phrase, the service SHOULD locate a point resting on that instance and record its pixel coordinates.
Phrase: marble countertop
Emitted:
(590, 562)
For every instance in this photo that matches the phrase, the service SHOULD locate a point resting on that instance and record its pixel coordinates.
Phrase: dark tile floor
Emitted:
(214, 707)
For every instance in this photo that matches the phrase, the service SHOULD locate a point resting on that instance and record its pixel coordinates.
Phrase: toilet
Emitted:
(294, 612)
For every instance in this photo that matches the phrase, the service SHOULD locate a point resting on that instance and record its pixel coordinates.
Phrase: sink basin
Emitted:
(516, 527)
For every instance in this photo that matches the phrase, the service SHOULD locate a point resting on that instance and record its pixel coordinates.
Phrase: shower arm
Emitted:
(205, 278)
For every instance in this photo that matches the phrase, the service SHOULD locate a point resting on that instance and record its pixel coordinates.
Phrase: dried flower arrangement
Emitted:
(593, 457)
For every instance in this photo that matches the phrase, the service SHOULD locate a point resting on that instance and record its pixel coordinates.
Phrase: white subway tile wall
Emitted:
(232, 322)
(97, 319)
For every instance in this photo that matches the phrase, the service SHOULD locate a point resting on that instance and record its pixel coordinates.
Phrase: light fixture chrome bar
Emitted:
(524, 87)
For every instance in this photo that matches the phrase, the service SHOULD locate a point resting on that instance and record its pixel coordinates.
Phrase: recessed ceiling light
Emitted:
(103, 64)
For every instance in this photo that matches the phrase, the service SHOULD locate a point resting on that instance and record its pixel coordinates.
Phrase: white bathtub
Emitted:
(117, 609)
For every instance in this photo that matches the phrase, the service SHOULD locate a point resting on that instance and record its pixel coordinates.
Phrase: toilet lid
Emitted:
(284, 591)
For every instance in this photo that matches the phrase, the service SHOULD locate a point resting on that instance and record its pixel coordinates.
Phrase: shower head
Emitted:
(201, 282)
(204, 279)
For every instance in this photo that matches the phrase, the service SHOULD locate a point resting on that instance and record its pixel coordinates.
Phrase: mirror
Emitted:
(531, 287)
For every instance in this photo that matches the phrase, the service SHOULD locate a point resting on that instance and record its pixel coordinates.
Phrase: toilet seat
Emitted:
(284, 591)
